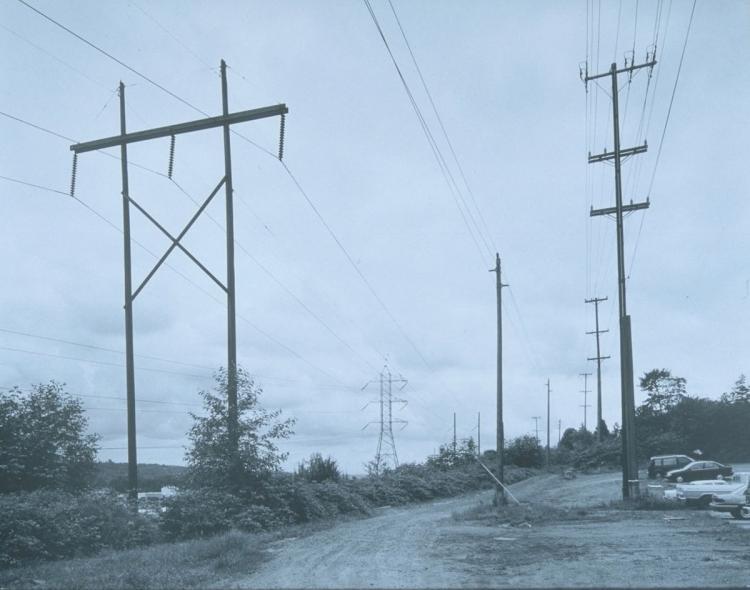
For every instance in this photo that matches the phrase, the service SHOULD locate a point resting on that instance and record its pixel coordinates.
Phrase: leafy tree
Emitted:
(663, 390)
(43, 440)
(316, 468)
(211, 460)
(740, 393)
(603, 429)
(569, 439)
(447, 458)
(577, 439)
(524, 451)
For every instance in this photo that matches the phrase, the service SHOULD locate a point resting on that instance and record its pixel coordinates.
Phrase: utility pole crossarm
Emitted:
(631, 68)
(605, 155)
(179, 128)
(624, 208)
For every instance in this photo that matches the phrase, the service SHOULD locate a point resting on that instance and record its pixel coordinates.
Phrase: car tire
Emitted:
(680, 479)
(737, 513)
(720, 476)
(658, 475)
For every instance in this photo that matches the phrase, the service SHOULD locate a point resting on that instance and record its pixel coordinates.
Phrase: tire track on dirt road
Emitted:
(399, 547)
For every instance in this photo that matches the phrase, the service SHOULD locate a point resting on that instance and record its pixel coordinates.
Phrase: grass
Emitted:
(518, 514)
(198, 563)
(189, 564)
(646, 502)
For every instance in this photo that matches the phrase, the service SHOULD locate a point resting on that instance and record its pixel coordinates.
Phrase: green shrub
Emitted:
(53, 525)
(341, 498)
(199, 513)
(316, 468)
(254, 518)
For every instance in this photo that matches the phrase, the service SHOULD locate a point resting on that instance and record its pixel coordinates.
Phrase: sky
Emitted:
(370, 245)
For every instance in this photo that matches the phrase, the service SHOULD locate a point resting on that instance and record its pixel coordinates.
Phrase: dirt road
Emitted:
(423, 547)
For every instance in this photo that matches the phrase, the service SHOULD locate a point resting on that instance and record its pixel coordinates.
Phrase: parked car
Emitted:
(699, 470)
(701, 493)
(737, 503)
(659, 466)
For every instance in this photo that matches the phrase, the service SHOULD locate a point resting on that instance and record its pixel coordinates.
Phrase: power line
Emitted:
(445, 133)
(430, 139)
(104, 363)
(354, 265)
(239, 245)
(289, 173)
(104, 349)
(110, 56)
(664, 132)
(31, 184)
(671, 100)
(185, 277)
(56, 58)
(168, 32)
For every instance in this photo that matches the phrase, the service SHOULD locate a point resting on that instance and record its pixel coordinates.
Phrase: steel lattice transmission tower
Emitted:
(386, 456)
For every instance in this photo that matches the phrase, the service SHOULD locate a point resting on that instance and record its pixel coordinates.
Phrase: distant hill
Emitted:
(151, 476)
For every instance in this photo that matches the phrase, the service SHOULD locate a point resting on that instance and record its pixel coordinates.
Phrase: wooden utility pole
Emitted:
(536, 428)
(598, 358)
(129, 353)
(585, 406)
(630, 482)
(232, 416)
(548, 390)
(559, 432)
(500, 436)
(225, 120)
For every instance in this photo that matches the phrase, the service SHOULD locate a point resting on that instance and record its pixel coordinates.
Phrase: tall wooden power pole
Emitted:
(630, 482)
(500, 437)
(129, 353)
(225, 120)
(585, 392)
(598, 358)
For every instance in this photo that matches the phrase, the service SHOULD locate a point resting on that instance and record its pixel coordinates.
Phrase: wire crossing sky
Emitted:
(421, 138)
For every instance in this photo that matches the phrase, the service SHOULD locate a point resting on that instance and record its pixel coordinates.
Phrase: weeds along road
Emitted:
(397, 548)
(423, 547)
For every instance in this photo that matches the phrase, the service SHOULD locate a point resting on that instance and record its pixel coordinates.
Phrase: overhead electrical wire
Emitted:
(445, 170)
(286, 168)
(664, 130)
(185, 277)
(488, 235)
(428, 134)
(296, 183)
(237, 242)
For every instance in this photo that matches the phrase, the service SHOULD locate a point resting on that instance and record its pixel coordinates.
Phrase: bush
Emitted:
(524, 451)
(43, 440)
(54, 525)
(253, 519)
(319, 469)
(199, 513)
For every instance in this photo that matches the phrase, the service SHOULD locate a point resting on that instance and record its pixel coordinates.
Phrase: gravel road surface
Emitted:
(421, 546)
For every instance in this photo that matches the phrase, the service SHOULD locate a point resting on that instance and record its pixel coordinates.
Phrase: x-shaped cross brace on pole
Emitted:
(176, 240)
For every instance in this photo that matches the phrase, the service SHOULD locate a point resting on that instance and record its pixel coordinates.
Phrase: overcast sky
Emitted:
(504, 77)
